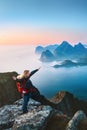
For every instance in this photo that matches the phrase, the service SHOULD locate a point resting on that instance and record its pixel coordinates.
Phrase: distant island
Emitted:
(64, 51)
(69, 63)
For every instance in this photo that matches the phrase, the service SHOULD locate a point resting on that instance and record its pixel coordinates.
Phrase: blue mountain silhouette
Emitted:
(62, 52)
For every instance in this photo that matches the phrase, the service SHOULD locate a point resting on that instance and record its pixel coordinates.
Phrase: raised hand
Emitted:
(39, 68)
(14, 78)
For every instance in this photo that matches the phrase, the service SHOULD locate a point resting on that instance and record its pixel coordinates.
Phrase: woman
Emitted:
(29, 90)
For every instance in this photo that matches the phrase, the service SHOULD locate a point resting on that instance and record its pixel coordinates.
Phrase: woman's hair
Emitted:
(23, 75)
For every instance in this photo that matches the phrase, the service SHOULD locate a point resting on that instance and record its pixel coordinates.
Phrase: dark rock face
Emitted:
(69, 104)
(8, 90)
(78, 117)
(82, 125)
(56, 121)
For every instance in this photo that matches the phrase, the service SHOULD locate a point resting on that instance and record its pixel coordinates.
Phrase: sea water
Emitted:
(48, 79)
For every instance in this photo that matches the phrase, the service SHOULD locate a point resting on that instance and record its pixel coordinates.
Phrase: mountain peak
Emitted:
(47, 56)
(65, 43)
(79, 46)
(39, 49)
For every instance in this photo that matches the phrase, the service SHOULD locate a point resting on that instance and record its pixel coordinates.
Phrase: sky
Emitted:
(42, 21)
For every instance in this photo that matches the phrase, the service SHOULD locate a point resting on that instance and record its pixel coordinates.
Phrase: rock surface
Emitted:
(73, 123)
(82, 125)
(66, 117)
(8, 91)
(69, 104)
(33, 120)
(36, 116)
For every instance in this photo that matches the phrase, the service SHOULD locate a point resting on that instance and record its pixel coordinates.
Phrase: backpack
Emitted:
(21, 87)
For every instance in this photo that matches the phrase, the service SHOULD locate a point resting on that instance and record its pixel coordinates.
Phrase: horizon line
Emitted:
(43, 44)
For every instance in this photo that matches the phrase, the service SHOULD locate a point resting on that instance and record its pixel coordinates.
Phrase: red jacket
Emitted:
(21, 84)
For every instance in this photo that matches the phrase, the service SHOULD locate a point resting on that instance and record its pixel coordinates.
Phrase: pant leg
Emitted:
(40, 98)
(45, 101)
(25, 102)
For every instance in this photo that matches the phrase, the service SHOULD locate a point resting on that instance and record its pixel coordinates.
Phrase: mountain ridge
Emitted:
(64, 51)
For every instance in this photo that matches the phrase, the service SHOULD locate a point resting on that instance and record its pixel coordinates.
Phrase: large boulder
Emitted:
(57, 121)
(10, 116)
(82, 125)
(8, 90)
(69, 104)
(34, 120)
(78, 117)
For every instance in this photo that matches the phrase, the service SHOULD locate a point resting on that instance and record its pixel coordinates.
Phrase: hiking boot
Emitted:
(24, 112)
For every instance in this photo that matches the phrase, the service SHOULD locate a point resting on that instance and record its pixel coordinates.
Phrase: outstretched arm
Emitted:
(15, 79)
(33, 72)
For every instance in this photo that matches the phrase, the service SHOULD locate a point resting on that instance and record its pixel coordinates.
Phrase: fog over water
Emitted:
(49, 80)
(17, 58)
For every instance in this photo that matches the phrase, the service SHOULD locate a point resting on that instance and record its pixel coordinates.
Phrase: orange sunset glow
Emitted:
(31, 36)
(42, 22)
